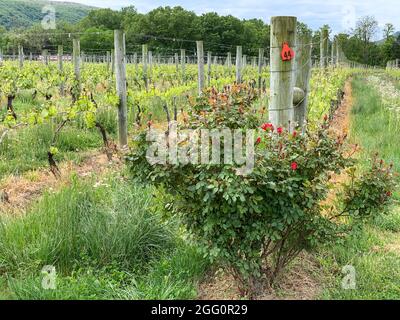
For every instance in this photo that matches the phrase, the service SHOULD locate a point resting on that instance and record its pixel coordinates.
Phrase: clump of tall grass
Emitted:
(84, 224)
(107, 240)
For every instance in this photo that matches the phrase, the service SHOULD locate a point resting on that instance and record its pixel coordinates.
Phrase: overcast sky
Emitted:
(339, 14)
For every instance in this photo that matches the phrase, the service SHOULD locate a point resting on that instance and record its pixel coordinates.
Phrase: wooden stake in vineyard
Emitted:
(283, 37)
(200, 65)
(76, 59)
(260, 66)
(60, 67)
(120, 73)
(303, 76)
(144, 63)
(45, 55)
(21, 57)
(183, 62)
(324, 48)
(239, 64)
(209, 68)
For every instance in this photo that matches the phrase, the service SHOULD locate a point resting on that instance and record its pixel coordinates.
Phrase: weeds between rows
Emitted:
(374, 250)
(106, 242)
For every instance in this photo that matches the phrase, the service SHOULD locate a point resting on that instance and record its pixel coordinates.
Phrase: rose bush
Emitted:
(256, 224)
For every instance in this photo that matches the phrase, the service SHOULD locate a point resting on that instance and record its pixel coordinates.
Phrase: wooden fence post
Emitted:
(260, 66)
(229, 60)
(77, 68)
(21, 57)
(200, 66)
(144, 65)
(45, 55)
(120, 73)
(183, 62)
(150, 61)
(324, 48)
(60, 67)
(108, 58)
(177, 62)
(112, 61)
(303, 76)
(239, 64)
(283, 29)
(209, 68)
(135, 62)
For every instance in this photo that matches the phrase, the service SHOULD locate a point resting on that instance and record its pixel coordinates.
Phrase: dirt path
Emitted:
(340, 123)
(19, 192)
(303, 280)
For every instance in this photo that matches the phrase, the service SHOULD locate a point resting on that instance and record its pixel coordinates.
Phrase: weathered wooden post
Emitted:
(209, 68)
(150, 61)
(176, 56)
(45, 55)
(200, 66)
(108, 57)
(239, 64)
(333, 52)
(283, 34)
(135, 62)
(244, 61)
(112, 61)
(144, 65)
(183, 62)
(324, 47)
(229, 60)
(21, 57)
(260, 66)
(303, 76)
(76, 59)
(338, 51)
(60, 67)
(120, 74)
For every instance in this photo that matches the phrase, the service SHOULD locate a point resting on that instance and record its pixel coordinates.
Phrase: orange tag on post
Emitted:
(287, 52)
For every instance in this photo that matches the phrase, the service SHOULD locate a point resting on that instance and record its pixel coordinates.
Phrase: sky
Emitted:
(340, 15)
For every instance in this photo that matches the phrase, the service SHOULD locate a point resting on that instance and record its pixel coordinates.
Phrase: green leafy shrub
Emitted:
(258, 223)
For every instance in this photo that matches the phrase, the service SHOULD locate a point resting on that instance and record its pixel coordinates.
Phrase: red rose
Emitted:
(267, 126)
(258, 141)
(294, 166)
(294, 134)
(279, 130)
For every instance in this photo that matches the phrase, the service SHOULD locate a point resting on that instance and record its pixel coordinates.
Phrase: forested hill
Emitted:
(24, 13)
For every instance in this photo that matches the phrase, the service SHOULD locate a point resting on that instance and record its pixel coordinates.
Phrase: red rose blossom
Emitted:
(258, 141)
(294, 166)
(267, 126)
(279, 130)
(294, 134)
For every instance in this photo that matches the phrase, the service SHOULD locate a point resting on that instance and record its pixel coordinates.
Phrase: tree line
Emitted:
(167, 29)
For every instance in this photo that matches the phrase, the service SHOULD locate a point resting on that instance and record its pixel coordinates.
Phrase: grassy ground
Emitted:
(106, 241)
(375, 251)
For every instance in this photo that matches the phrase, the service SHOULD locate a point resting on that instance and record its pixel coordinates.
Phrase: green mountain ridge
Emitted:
(24, 13)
